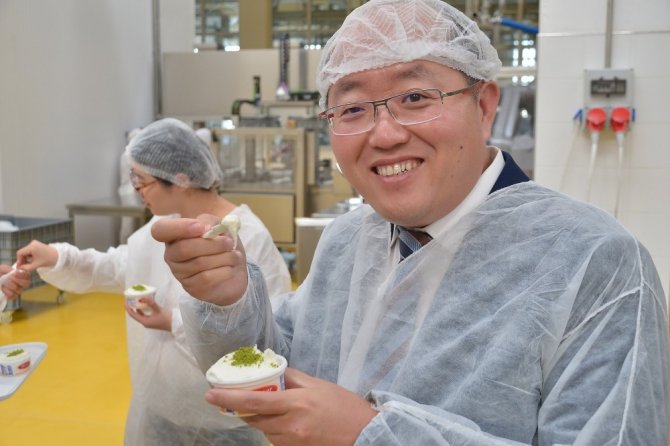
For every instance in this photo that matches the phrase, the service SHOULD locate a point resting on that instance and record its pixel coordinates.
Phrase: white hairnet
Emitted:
(168, 147)
(384, 32)
(205, 134)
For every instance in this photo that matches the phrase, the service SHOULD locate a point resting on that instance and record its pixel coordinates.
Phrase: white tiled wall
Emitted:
(572, 39)
(74, 77)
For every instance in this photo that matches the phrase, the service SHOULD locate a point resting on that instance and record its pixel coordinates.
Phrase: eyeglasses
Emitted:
(412, 107)
(137, 183)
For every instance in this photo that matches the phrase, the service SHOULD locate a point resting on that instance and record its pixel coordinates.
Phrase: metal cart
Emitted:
(30, 228)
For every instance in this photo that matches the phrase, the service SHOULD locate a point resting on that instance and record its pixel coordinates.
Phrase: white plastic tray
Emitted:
(9, 384)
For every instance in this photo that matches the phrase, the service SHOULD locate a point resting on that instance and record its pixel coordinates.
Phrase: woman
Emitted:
(174, 173)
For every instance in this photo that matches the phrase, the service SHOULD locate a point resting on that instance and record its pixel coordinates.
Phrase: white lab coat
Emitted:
(167, 404)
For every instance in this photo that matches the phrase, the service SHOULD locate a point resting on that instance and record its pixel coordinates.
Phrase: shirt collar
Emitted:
(477, 196)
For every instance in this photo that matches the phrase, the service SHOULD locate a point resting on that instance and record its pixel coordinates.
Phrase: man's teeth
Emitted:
(397, 169)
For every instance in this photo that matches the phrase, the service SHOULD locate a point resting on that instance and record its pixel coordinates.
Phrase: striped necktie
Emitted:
(408, 243)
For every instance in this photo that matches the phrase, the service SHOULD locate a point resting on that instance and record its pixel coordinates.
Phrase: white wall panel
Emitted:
(647, 146)
(207, 83)
(649, 54)
(572, 39)
(652, 100)
(563, 155)
(644, 15)
(584, 51)
(557, 98)
(75, 76)
(570, 16)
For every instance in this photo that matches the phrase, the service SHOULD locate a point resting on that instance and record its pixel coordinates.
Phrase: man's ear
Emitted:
(488, 98)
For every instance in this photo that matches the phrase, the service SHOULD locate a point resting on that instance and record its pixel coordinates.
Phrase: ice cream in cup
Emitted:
(135, 292)
(14, 362)
(248, 368)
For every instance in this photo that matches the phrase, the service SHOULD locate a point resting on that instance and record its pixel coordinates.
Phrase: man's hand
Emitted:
(208, 269)
(310, 411)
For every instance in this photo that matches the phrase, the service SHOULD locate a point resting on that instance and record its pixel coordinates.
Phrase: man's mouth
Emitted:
(397, 168)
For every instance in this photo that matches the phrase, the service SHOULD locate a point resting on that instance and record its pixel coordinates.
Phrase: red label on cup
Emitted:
(268, 388)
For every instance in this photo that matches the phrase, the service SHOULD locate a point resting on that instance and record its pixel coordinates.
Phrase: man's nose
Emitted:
(387, 132)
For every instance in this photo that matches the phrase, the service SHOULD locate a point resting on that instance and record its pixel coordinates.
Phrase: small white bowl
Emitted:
(135, 292)
(14, 362)
(269, 381)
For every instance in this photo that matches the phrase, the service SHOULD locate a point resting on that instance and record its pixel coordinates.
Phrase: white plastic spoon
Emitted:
(230, 224)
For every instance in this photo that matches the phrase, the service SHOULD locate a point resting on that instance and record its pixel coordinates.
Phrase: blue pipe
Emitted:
(530, 29)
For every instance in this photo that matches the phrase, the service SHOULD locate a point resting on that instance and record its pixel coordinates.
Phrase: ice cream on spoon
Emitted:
(230, 224)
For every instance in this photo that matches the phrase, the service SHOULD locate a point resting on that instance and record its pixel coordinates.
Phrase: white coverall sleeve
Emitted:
(213, 331)
(81, 271)
(178, 332)
(402, 422)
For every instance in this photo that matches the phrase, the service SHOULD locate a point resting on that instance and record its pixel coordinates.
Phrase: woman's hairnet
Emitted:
(384, 32)
(168, 147)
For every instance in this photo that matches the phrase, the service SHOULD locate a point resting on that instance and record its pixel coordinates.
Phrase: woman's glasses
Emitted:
(137, 182)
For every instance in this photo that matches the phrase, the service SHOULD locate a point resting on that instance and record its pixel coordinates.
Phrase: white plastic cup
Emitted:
(133, 296)
(15, 364)
(271, 381)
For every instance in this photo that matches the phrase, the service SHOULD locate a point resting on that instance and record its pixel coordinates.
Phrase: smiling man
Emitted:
(463, 303)
(416, 154)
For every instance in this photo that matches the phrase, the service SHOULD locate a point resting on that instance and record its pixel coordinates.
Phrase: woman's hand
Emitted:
(36, 255)
(15, 283)
(159, 317)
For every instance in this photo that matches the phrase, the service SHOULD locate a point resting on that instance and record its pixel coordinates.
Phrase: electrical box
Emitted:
(608, 87)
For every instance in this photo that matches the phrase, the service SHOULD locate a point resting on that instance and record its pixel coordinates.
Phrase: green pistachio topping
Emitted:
(139, 287)
(246, 356)
(16, 352)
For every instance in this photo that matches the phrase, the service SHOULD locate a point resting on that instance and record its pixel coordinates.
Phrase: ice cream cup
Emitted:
(135, 292)
(269, 381)
(14, 362)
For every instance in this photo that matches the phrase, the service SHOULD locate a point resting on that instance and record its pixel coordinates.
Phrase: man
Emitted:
(516, 316)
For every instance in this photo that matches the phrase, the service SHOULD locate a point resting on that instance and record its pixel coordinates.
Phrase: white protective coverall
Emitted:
(535, 320)
(168, 406)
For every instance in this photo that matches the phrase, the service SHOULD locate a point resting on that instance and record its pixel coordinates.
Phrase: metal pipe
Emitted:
(155, 25)
(518, 35)
(310, 25)
(530, 29)
(470, 8)
(249, 159)
(203, 21)
(608, 33)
